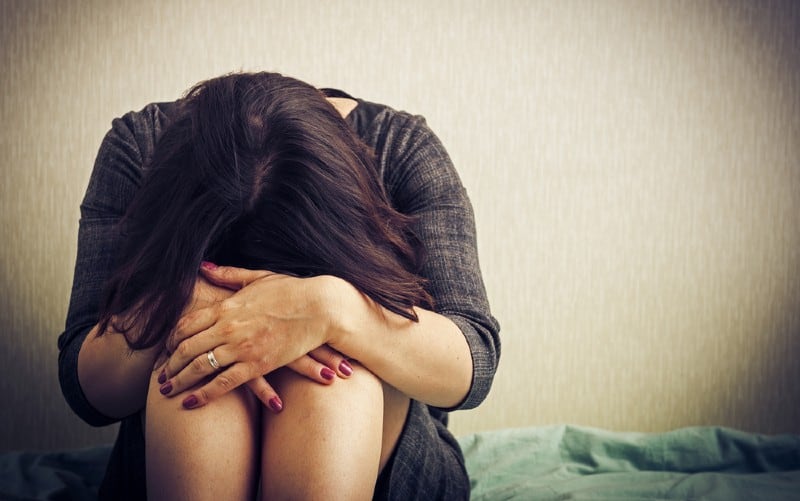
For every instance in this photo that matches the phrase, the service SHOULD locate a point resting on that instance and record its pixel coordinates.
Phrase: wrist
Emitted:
(341, 303)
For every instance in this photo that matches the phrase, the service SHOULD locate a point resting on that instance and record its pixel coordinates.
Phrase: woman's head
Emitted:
(258, 171)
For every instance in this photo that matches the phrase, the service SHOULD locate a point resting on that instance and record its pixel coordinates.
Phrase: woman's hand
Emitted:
(272, 321)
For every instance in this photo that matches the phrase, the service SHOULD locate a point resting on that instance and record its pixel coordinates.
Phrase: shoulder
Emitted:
(138, 131)
(120, 161)
(402, 141)
(415, 167)
(376, 123)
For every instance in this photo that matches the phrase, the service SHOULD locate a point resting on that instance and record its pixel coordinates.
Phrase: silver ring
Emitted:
(212, 359)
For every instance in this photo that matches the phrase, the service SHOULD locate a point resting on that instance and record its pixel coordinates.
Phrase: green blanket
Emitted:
(568, 462)
(558, 462)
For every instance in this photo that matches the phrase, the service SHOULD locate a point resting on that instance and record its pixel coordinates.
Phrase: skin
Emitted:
(343, 105)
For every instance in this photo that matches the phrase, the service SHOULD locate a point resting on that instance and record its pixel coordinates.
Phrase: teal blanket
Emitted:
(567, 462)
(549, 463)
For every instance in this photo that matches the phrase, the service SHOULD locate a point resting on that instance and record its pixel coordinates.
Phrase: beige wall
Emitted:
(634, 166)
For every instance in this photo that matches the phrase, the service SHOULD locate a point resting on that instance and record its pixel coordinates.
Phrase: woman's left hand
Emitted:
(271, 321)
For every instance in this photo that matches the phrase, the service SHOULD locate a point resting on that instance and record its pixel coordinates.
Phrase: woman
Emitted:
(319, 223)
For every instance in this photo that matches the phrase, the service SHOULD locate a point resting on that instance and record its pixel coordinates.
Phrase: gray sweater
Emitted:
(419, 178)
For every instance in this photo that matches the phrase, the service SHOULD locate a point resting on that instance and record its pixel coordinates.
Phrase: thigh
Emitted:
(328, 438)
(205, 453)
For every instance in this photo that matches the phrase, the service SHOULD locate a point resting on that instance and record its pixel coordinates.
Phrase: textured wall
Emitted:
(634, 166)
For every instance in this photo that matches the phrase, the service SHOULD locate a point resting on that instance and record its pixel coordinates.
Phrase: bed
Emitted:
(537, 463)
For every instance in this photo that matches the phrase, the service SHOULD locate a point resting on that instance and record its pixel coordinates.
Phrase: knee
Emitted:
(160, 411)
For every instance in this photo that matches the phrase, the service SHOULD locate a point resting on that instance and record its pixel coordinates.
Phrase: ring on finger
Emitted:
(212, 360)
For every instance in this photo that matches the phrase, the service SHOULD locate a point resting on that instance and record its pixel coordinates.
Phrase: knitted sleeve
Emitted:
(114, 180)
(421, 180)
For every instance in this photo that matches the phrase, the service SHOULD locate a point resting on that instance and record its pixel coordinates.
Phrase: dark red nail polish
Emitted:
(326, 373)
(190, 401)
(208, 265)
(162, 378)
(275, 404)
(345, 368)
(166, 388)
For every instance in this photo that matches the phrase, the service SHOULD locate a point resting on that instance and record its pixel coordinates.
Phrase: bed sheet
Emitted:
(569, 462)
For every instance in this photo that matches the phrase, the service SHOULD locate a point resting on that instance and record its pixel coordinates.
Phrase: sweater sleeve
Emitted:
(422, 181)
(114, 180)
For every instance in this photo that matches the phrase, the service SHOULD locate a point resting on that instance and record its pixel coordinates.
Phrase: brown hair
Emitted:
(258, 171)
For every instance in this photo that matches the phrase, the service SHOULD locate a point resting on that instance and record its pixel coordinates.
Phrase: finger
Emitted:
(313, 370)
(264, 392)
(333, 359)
(191, 348)
(192, 323)
(159, 366)
(230, 277)
(227, 380)
(200, 367)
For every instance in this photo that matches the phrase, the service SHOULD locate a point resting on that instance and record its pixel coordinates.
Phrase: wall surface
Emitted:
(634, 167)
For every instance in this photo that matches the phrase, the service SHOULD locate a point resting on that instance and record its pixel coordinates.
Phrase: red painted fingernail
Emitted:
(208, 265)
(190, 401)
(274, 403)
(162, 378)
(166, 388)
(326, 373)
(345, 368)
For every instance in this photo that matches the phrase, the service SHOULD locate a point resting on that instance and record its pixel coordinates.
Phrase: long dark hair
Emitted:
(258, 171)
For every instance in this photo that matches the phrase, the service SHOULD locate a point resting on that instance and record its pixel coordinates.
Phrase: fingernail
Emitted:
(166, 388)
(326, 373)
(208, 265)
(345, 368)
(162, 378)
(190, 401)
(275, 404)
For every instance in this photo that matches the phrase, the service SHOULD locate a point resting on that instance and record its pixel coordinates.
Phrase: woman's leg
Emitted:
(206, 453)
(328, 442)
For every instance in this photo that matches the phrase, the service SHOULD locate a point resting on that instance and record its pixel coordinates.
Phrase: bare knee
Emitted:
(328, 438)
(201, 453)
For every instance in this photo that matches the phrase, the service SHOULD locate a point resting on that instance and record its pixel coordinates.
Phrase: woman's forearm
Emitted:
(112, 376)
(429, 360)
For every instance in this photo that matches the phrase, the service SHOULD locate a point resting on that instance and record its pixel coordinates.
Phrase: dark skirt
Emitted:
(426, 464)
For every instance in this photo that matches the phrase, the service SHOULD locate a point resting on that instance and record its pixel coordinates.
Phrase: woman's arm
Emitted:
(113, 183)
(422, 181)
(112, 376)
(276, 317)
(428, 360)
